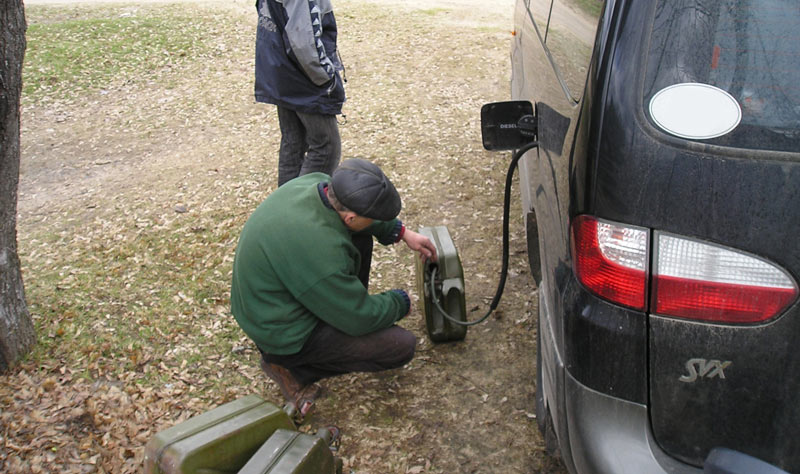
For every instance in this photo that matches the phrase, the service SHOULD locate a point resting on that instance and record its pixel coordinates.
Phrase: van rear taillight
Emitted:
(611, 260)
(697, 280)
(690, 279)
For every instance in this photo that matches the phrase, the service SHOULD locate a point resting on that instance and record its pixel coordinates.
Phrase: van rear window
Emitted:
(747, 48)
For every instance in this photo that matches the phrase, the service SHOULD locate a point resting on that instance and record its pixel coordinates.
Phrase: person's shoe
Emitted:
(306, 398)
(302, 397)
(290, 387)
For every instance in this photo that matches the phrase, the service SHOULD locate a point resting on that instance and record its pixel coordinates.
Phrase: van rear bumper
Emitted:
(611, 435)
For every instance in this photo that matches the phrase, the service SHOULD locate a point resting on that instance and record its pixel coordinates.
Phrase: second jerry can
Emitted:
(219, 441)
(293, 452)
(441, 286)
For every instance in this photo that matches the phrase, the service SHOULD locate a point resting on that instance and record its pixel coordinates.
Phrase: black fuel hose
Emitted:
(504, 270)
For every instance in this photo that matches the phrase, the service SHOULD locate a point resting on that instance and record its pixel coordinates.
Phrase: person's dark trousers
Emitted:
(309, 143)
(329, 352)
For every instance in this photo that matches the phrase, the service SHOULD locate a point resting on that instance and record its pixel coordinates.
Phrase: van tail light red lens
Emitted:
(611, 260)
(690, 279)
(701, 281)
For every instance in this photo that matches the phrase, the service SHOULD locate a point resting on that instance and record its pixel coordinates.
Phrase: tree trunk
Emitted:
(16, 328)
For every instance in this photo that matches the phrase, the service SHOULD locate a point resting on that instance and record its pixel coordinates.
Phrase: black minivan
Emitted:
(663, 220)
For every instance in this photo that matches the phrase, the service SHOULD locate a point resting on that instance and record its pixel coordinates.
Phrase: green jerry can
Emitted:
(292, 452)
(447, 295)
(221, 440)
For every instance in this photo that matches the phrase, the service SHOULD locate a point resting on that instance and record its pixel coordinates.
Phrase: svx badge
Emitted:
(703, 368)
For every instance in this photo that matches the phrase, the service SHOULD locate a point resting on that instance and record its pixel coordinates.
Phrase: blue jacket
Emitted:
(297, 64)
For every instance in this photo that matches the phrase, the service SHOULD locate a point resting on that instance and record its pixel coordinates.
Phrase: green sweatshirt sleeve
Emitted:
(342, 301)
(387, 232)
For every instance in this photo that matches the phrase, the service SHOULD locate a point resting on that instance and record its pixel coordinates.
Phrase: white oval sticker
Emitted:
(695, 111)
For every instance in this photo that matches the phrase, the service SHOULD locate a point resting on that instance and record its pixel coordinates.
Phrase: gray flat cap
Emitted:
(365, 190)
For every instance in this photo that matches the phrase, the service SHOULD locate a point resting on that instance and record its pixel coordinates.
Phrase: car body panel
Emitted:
(601, 154)
(746, 200)
(628, 448)
(749, 405)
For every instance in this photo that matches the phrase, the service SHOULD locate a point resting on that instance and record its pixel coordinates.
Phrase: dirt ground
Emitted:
(203, 145)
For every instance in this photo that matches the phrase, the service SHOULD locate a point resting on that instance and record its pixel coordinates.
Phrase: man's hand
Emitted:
(420, 243)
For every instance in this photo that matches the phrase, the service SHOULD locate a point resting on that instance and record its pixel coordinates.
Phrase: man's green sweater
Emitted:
(296, 265)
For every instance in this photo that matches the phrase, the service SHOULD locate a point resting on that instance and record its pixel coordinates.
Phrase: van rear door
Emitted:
(724, 370)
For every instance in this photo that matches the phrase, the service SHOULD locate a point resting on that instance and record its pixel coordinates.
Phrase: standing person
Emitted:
(297, 69)
(300, 277)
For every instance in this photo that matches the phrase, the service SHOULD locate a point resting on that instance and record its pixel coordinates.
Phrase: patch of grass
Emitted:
(83, 49)
(115, 302)
(433, 11)
(490, 30)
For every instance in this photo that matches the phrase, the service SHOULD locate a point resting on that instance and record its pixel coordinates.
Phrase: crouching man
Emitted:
(301, 273)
